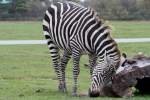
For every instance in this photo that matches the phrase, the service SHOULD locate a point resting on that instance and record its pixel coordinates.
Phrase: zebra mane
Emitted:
(106, 60)
(76, 4)
(103, 22)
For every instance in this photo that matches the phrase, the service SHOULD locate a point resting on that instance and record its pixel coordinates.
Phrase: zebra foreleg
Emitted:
(64, 60)
(92, 62)
(76, 70)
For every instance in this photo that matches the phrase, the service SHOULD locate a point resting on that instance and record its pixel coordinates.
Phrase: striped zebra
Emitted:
(77, 30)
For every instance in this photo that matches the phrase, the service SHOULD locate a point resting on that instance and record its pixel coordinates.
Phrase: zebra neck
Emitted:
(109, 59)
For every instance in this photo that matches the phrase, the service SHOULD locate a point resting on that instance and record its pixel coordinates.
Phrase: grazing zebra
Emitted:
(78, 30)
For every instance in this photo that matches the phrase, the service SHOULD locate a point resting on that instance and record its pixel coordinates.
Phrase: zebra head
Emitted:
(103, 73)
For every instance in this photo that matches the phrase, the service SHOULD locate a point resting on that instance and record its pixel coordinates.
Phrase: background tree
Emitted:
(18, 7)
(107, 9)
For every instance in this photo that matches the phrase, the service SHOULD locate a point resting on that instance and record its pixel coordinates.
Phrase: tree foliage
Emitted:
(107, 9)
(18, 6)
(122, 9)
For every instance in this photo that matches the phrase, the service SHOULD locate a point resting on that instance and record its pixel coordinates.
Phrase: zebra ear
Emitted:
(124, 55)
(123, 59)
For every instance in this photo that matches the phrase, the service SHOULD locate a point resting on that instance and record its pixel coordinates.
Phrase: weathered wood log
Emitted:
(135, 74)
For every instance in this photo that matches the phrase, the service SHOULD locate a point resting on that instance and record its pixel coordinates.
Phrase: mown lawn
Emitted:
(130, 29)
(26, 73)
(33, 30)
(21, 30)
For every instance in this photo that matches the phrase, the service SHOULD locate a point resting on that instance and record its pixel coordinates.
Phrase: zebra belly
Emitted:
(66, 46)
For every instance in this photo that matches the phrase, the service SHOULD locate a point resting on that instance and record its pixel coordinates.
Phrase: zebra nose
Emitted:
(94, 93)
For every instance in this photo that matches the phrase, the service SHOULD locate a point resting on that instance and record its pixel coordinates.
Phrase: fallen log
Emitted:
(135, 74)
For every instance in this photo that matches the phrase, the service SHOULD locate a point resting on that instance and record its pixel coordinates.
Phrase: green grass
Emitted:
(20, 30)
(130, 29)
(26, 69)
(33, 30)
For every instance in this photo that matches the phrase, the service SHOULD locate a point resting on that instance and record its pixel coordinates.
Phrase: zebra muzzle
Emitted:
(93, 93)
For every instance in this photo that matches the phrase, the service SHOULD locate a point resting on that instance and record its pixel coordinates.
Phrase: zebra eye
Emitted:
(93, 85)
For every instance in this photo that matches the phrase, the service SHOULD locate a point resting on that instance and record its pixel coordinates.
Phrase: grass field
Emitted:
(20, 30)
(26, 72)
(132, 29)
(33, 30)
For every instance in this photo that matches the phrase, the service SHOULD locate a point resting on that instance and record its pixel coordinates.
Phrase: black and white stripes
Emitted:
(78, 30)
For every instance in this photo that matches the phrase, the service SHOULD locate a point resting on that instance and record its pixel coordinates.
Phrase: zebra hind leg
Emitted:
(58, 69)
(54, 51)
(64, 60)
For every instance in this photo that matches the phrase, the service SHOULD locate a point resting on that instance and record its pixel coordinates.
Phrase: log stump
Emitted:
(135, 74)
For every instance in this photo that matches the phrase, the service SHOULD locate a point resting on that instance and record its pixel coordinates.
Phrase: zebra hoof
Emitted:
(74, 94)
(62, 88)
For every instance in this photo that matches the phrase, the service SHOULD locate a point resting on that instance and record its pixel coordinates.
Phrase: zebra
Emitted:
(77, 30)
